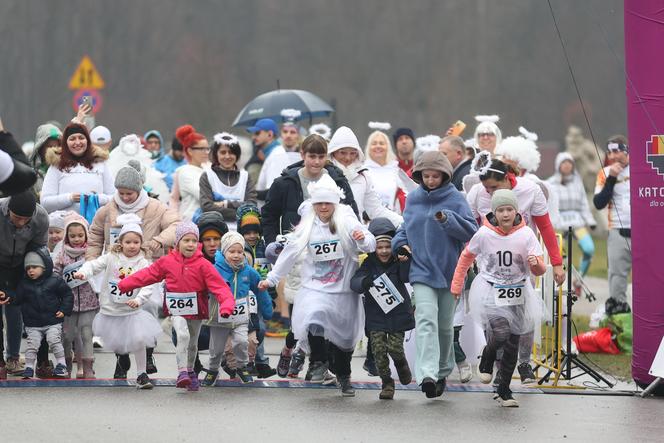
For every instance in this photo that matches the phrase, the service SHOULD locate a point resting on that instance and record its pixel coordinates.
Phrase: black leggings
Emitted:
(500, 337)
(319, 353)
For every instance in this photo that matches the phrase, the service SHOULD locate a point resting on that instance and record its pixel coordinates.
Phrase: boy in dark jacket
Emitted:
(45, 300)
(389, 312)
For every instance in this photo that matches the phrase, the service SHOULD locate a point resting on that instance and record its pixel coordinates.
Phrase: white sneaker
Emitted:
(465, 372)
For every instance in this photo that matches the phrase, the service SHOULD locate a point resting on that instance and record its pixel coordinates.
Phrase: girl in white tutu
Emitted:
(122, 326)
(502, 298)
(329, 238)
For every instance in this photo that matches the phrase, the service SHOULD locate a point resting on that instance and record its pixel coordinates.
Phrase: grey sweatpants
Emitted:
(620, 263)
(240, 343)
(53, 335)
(78, 327)
(187, 332)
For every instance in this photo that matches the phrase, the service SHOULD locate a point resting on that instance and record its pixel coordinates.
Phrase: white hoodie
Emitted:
(364, 193)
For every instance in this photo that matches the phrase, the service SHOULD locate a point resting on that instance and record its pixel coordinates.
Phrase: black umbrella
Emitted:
(270, 105)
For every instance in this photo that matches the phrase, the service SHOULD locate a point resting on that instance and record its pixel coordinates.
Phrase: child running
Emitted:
(329, 236)
(501, 296)
(121, 325)
(189, 278)
(231, 264)
(45, 301)
(389, 312)
(78, 326)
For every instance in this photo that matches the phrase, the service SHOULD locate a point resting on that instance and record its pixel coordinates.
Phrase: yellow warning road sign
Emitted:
(86, 76)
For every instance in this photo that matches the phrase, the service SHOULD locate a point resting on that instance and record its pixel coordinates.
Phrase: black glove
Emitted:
(23, 176)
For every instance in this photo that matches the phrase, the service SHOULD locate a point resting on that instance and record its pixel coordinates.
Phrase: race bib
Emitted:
(509, 295)
(385, 293)
(253, 304)
(117, 296)
(68, 274)
(113, 234)
(326, 250)
(182, 303)
(240, 313)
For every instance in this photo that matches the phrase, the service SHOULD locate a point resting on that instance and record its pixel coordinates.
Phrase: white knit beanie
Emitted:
(229, 239)
(325, 190)
(504, 197)
(344, 137)
(130, 223)
(56, 219)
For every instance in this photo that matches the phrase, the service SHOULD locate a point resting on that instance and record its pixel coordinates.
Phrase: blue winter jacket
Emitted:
(435, 246)
(243, 281)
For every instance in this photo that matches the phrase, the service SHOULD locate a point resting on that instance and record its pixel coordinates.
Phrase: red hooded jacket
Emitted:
(193, 274)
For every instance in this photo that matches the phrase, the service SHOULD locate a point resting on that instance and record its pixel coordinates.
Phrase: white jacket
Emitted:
(368, 201)
(189, 177)
(59, 186)
(116, 266)
(278, 160)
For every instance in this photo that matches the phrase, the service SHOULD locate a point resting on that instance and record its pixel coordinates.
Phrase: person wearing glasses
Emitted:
(612, 191)
(186, 191)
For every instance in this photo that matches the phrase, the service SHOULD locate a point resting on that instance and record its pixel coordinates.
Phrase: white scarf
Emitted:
(351, 171)
(140, 203)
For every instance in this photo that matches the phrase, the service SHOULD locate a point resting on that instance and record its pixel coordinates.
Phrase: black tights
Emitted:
(323, 351)
(500, 337)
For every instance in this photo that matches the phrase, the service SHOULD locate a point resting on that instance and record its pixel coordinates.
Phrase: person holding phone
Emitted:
(77, 168)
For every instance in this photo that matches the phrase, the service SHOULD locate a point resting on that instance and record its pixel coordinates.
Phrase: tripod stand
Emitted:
(564, 359)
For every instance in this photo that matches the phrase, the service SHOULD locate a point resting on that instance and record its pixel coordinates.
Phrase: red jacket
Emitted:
(193, 274)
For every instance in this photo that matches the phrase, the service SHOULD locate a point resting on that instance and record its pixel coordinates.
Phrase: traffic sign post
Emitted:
(86, 76)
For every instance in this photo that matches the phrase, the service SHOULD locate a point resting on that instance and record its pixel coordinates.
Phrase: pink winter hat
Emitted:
(184, 228)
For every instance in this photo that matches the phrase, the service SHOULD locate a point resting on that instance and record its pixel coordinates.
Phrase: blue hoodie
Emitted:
(436, 246)
(243, 281)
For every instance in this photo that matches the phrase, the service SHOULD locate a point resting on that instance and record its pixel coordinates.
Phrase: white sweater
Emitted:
(113, 265)
(331, 276)
(59, 186)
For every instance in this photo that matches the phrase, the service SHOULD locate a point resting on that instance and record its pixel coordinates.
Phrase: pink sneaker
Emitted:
(183, 380)
(195, 384)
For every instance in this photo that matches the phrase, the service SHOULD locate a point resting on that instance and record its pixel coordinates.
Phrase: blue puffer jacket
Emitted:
(241, 282)
(40, 299)
(436, 246)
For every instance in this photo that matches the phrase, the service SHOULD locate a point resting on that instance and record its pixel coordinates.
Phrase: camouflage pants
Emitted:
(384, 343)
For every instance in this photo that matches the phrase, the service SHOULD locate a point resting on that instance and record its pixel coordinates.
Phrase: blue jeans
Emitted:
(434, 317)
(13, 330)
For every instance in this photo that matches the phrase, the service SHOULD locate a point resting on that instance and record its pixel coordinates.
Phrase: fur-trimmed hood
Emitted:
(53, 155)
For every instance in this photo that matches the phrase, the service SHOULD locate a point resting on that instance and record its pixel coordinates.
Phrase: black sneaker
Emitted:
(440, 386)
(265, 371)
(428, 387)
(231, 372)
(244, 375)
(526, 373)
(370, 366)
(251, 368)
(122, 365)
(347, 389)
(485, 367)
(150, 366)
(210, 378)
(506, 399)
(144, 382)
